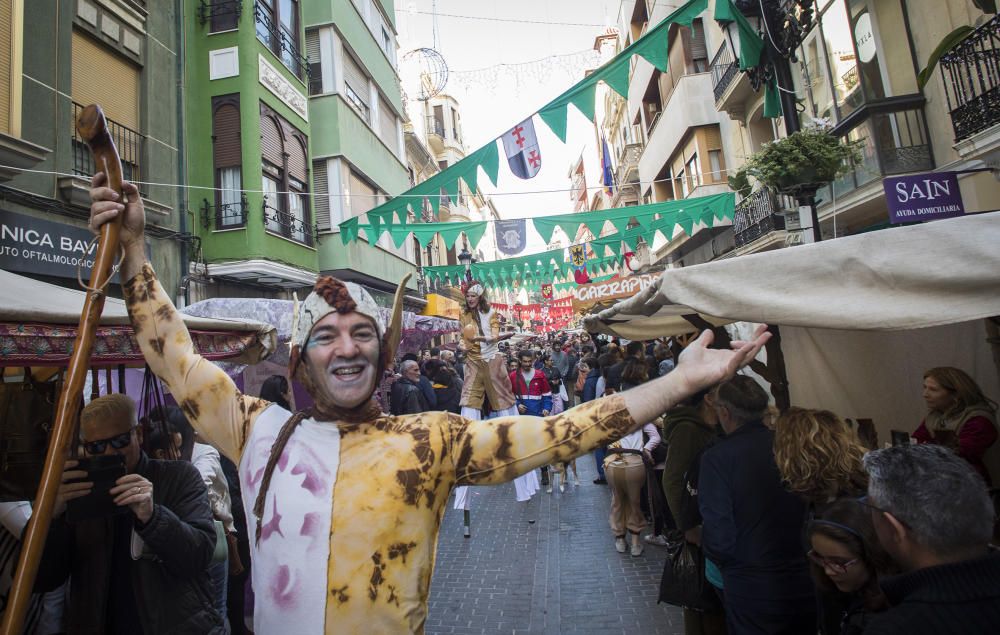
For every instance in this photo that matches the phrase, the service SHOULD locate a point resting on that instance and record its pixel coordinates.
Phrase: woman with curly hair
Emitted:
(962, 418)
(818, 456)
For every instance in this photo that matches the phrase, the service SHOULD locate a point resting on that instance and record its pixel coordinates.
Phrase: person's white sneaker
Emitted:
(636, 548)
(576, 481)
(620, 545)
(562, 487)
(548, 490)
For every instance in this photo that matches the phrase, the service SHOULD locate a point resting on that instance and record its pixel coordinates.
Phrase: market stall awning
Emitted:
(942, 272)
(38, 323)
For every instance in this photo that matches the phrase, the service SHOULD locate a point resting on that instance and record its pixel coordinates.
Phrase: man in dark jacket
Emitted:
(144, 570)
(406, 397)
(423, 382)
(933, 514)
(752, 525)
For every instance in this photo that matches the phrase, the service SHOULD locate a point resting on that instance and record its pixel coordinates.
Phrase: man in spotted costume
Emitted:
(347, 502)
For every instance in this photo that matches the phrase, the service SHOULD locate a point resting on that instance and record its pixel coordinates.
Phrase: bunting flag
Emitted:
(511, 236)
(521, 147)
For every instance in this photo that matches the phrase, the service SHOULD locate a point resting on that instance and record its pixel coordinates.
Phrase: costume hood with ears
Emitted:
(331, 295)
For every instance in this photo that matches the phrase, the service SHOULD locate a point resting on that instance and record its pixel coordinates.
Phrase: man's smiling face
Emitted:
(341, 358)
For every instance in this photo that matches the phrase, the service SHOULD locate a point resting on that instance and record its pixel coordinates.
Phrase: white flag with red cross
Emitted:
(521, 148)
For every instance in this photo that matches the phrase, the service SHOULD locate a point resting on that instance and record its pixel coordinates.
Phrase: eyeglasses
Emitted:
(117, 442)
(837, 565)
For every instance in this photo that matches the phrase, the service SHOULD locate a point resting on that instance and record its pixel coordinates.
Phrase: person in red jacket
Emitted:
(962, 418)
(531, 389)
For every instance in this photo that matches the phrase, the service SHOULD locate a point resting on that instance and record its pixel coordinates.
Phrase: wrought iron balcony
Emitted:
(289, 226)
(223, 14)
(225, 215)
(282, 43)
(971, 74)
(130, 144)
(724, 70)
(628, 164)
(756, 216)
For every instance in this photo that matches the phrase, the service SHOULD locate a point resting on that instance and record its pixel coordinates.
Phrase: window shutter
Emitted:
(226, 133)
(91, 67)
(387, 124)
(6, 42)
(699, 51)
(270, 141)
(362, 195)
(356, 78)
(315, 63)
(224, 16)
(713, 137)
(321, 194)
(297, 160)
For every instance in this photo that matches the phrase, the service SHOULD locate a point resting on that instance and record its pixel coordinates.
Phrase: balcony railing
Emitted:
(895, 140)
(130, 144)
(628, 162)
(756, 216)
(724, 69)
(225, 215)
(282, 43)
(289, 226)
(971, 74)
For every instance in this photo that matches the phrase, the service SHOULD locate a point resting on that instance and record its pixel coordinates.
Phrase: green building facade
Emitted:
(292, 124)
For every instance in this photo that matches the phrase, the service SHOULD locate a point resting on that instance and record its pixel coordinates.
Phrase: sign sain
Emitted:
(921, 197)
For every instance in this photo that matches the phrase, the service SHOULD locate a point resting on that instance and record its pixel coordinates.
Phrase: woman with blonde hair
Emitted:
(818, 455)
(962, 418)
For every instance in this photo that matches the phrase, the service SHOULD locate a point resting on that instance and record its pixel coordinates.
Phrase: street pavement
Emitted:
(559, 575)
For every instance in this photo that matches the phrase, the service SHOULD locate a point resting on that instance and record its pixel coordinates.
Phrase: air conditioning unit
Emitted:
(792, 222)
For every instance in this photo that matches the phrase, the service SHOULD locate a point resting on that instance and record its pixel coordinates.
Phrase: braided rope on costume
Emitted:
(279, 446)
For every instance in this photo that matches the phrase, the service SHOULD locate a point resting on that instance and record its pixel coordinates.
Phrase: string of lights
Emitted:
(359, 195)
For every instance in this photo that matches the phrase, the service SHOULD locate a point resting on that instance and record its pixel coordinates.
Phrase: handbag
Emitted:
(27, 409)
(683, 582)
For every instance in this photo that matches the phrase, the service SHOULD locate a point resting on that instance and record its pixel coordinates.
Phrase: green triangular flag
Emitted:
(489, 161)
(449, 233)
(554, 116)
(399, 234)
(544, 227)
(584, 97)
(475, 233)
(686, 222)
(616, 75)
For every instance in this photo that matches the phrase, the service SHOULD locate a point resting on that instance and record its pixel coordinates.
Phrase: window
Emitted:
(356, 88)
(225, 15)
(362, 196)
(454, 126)
(278, 28)
(693, 169)
(715, 161)
(227, 154)
(285, 178)
(92, 65)
(699, 49)
(387, 124)
(321, 194)
(10, 70)
(315, 62)
(438, 121)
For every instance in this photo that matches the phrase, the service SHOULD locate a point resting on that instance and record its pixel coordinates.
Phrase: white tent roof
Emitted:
(25, 300)
(941, 272)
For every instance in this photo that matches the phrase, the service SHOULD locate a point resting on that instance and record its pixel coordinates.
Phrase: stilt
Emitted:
(467, 523)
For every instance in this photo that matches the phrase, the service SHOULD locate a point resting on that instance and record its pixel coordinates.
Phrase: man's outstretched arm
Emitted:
(209, 398)
(498, 450)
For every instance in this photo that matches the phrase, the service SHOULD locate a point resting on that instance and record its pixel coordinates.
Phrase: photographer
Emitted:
(144, 569)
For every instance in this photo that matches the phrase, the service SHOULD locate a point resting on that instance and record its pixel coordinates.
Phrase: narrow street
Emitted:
(559, 575)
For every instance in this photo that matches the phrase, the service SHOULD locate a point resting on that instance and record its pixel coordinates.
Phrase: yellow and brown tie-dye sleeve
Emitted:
(498, 450)
(209, 398)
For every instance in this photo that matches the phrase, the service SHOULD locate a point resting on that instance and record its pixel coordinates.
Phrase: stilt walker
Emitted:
(486, 382)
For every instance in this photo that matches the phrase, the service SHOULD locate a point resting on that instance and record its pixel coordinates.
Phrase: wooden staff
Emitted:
(93, 128)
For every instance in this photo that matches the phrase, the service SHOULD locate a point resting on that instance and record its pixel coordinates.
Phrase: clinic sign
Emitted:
(36, 245)
(921, 197)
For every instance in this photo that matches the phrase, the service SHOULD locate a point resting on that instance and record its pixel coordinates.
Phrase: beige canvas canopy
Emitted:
(861, 317)
(38, 325)
(936, 273)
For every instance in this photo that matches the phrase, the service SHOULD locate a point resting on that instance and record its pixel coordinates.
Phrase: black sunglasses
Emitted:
(117, 442)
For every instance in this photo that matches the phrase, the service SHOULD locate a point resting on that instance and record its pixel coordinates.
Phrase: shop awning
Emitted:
(936, 273)
(38, 324)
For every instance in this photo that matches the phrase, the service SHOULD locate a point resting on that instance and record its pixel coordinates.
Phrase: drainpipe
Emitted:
(183, 294)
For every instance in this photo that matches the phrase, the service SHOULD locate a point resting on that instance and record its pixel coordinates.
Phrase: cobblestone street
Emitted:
(559, 575)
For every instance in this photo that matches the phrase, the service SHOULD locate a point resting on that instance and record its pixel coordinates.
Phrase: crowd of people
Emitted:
(798, 527)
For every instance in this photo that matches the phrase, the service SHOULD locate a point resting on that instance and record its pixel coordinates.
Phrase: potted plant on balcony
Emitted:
(805, 160)
(739, 182)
